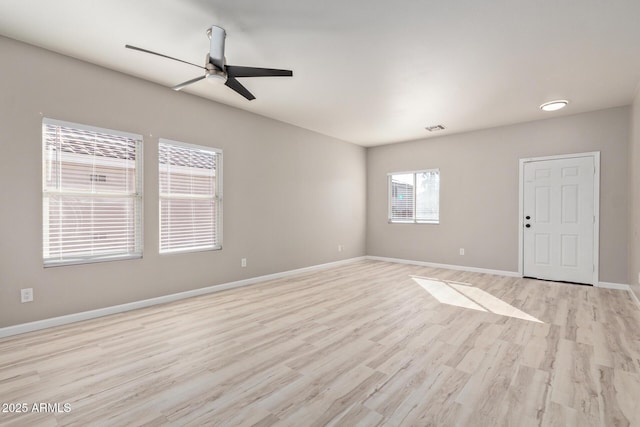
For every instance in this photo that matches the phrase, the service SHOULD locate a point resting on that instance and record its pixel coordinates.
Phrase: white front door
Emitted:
(558, 219)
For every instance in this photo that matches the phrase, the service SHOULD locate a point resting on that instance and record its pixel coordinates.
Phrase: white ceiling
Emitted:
(365, 71)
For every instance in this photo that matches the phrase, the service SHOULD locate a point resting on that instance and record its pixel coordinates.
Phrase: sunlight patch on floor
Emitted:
(466, 296)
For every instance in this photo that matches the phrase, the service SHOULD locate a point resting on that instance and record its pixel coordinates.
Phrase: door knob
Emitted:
(528, 225)
(527, 217)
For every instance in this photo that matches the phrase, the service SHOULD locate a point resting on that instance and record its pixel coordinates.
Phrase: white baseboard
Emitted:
(609, 285)
(447, 266)
(92, 314)
(635, 297)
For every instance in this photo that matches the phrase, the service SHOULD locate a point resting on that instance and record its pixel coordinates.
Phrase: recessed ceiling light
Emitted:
(554, 105)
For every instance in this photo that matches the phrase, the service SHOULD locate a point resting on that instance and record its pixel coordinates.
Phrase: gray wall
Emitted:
(634, 197)
(479, 191)
(291, 196)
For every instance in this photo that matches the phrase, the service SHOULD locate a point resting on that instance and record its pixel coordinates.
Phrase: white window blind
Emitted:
(190, 197)
(92, 194)
(414, 197)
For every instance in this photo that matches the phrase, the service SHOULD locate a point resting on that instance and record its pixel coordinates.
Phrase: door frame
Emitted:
(596, 208)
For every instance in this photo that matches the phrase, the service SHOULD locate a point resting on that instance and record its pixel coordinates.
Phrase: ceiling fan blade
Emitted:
(188, 82)
(235, 85)
(216, 49)
(128, 46)
(236, 71)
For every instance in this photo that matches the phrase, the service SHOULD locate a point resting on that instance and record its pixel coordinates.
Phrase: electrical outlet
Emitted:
(461, 251)
(340, 248)
(243, 262)
(26, 295)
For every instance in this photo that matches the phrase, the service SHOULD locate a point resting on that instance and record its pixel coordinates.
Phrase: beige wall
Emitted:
(291, 196)
(634, 197)
(479, 191)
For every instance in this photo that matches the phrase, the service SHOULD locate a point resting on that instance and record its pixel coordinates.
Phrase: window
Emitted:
(92, 194)
(190, 197)
(414, 197)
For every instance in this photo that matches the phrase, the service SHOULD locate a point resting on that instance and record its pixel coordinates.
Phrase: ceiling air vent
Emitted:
(434, 128)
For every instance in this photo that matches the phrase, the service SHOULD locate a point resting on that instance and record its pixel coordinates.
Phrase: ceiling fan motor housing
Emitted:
(212, 72)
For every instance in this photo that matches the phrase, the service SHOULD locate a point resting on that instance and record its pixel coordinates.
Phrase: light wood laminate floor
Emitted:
(364, 344)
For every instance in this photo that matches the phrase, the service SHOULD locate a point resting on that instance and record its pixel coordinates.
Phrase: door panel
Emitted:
(543, 248)
(559, 201)
(569, 250)
(569, 204)
(542, 204)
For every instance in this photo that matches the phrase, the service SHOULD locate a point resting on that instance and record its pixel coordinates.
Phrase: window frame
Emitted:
(390, 218)
(217, 197)
(137, 196)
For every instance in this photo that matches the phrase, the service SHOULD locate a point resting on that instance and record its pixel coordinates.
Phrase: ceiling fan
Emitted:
(216, 68)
